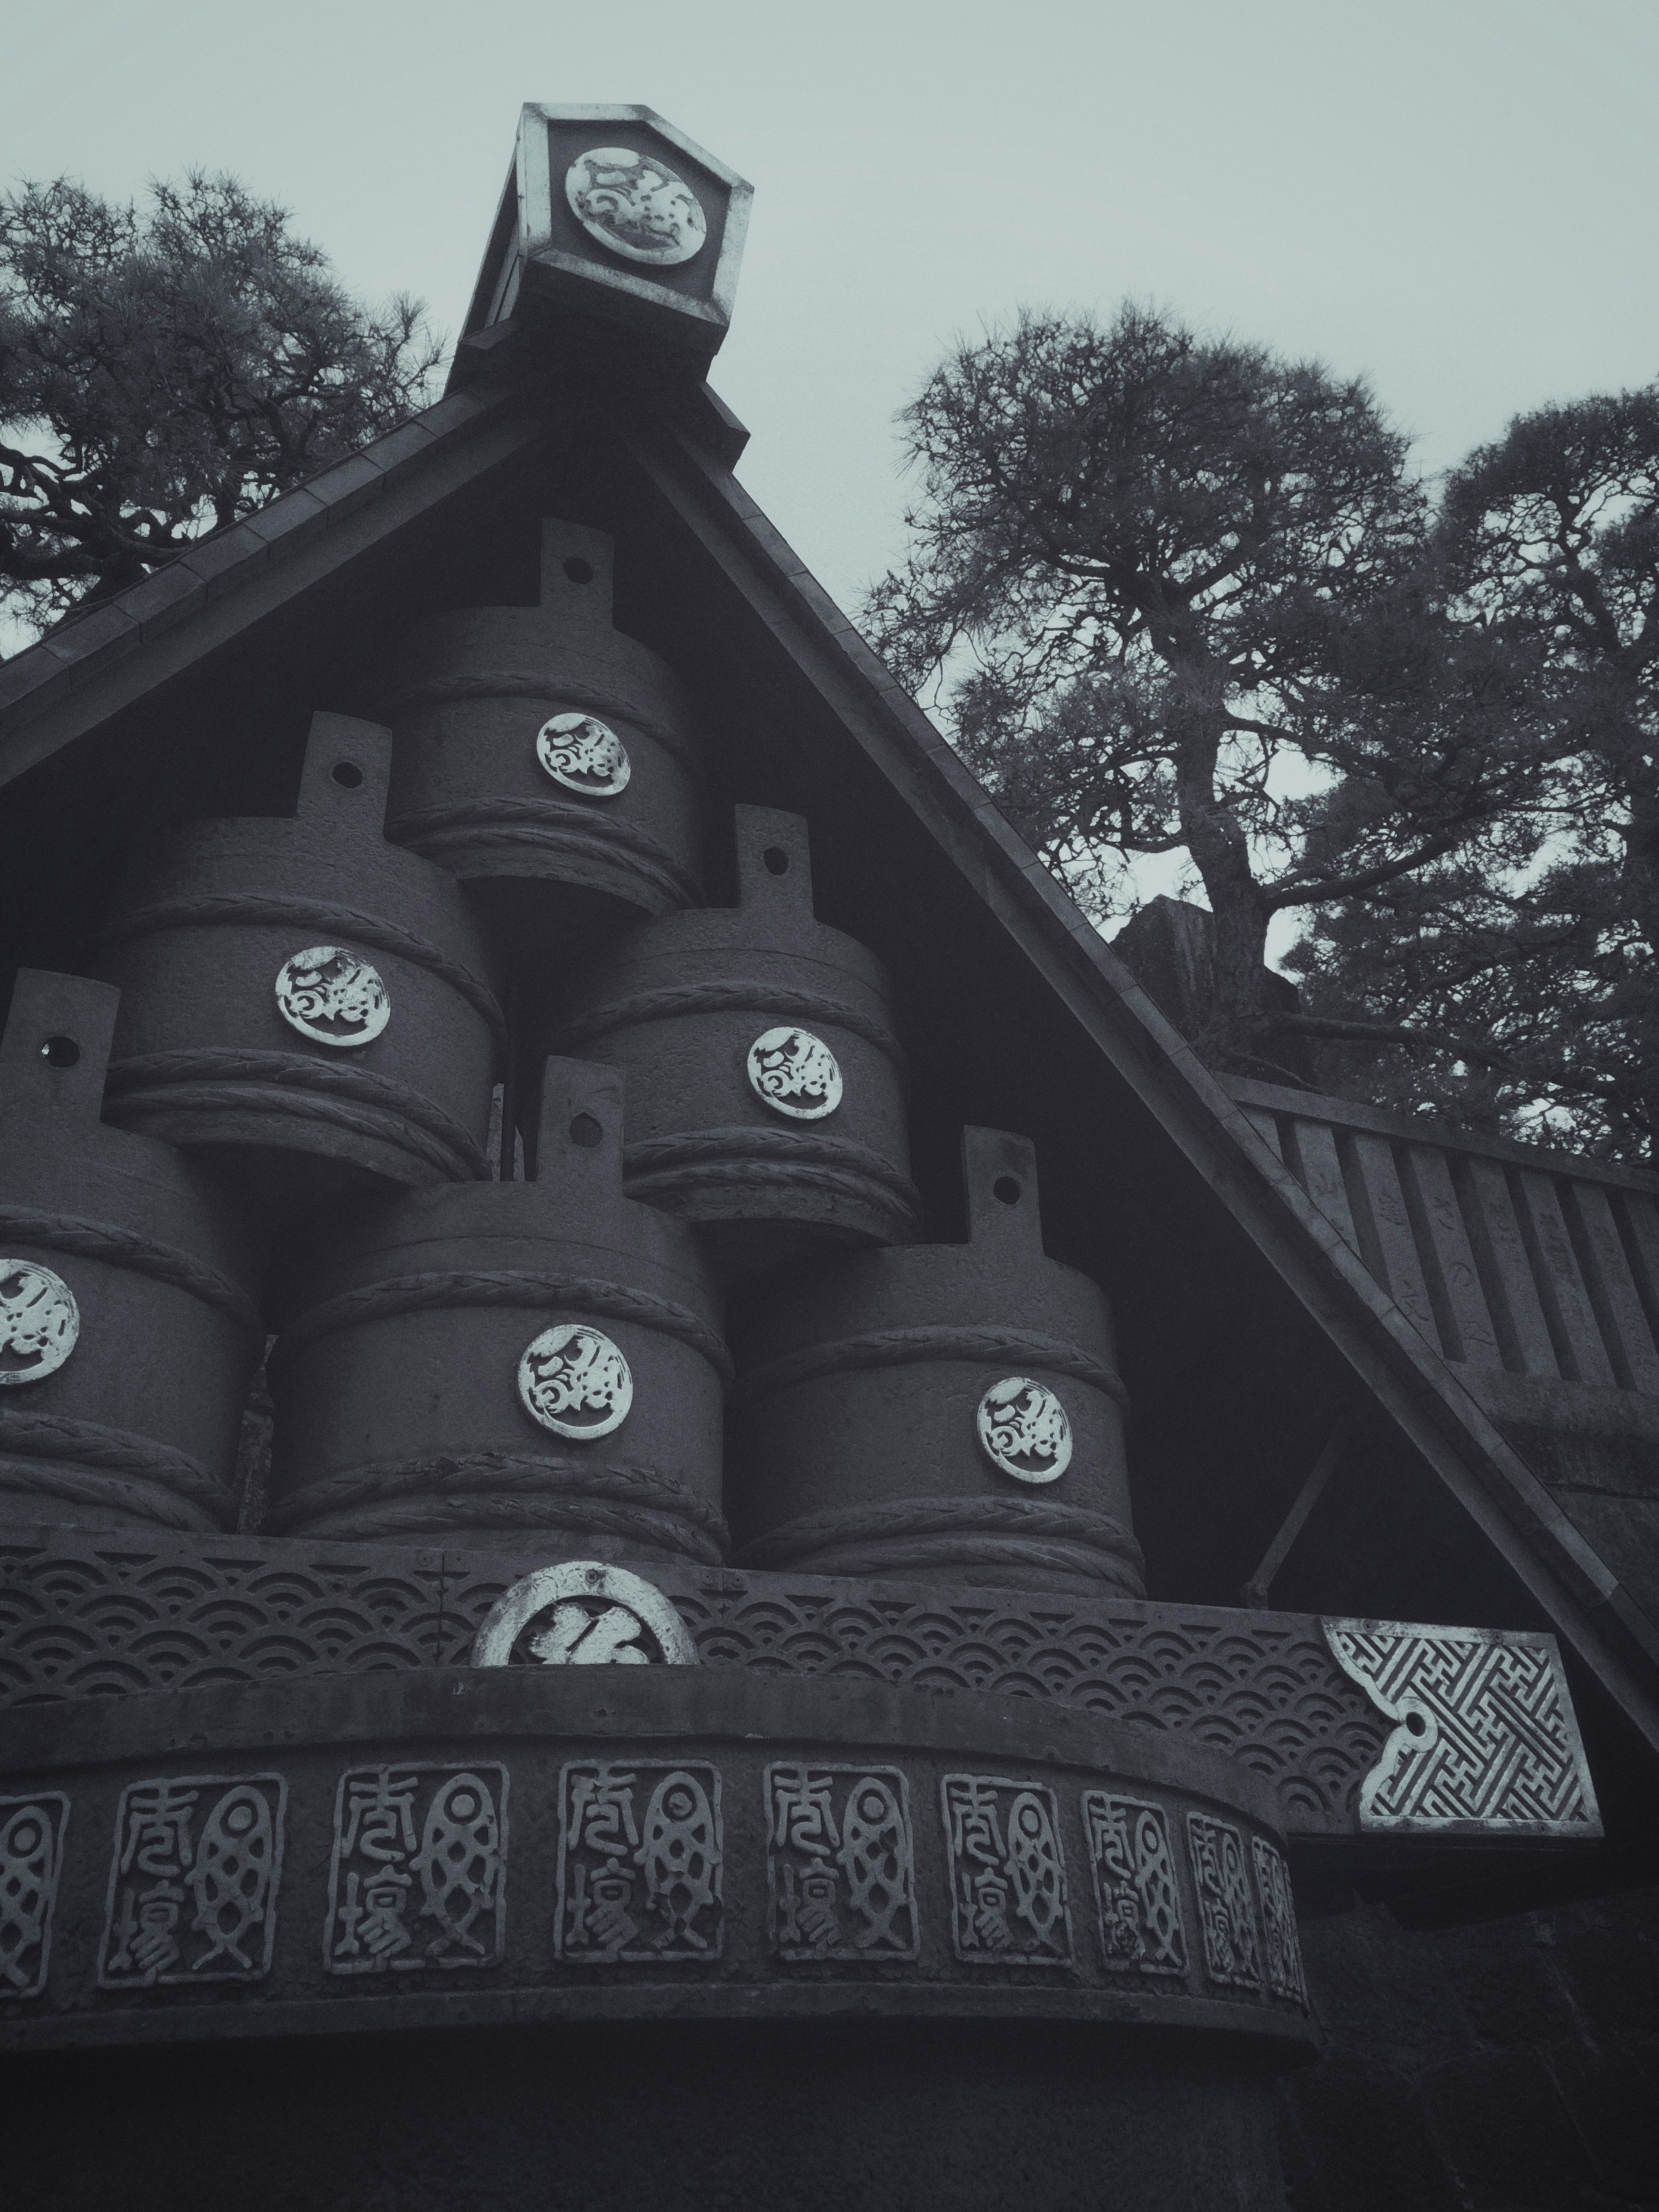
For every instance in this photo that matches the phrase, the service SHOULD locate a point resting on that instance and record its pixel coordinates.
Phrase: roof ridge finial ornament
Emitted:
(612, 216)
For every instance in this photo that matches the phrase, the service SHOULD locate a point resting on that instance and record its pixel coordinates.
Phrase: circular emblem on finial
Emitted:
(795, 1073)
(589, 1615)
(39, 1322)
(332, 996)
(575, 1382)
(1023, 1429)
(584, 755)
(633, 204)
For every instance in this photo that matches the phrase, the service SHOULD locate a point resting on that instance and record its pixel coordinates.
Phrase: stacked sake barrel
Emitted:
(498, 1280)
(128, 1326)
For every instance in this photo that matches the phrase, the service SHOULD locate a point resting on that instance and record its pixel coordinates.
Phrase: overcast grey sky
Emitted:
(1454, 197)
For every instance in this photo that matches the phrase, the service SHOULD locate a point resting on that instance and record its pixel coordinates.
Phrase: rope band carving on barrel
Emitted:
(558, 691)
(760, 999)
(222, 1078)
(123, 1247)
(555, 826)
(897, 1348)
(603, 1498)
(27, 1437)
(883, 1539)
(257, 910)
(536, 1288)
(708, 1159)
(140, 1504)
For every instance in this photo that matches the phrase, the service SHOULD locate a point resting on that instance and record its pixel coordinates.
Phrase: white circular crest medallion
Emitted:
(795, 1073)
(596, 1616)
(1024, 1430)
(635, 205)
(39, 1322)
(332, 996)
(575, 1382)
(584, 755)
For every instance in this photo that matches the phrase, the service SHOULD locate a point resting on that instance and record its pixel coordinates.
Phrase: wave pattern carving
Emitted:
(85, 1617)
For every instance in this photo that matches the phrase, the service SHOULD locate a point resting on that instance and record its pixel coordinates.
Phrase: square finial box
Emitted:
(611, 214)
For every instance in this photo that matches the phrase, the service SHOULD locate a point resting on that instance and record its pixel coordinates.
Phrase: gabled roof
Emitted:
(1249, 1322)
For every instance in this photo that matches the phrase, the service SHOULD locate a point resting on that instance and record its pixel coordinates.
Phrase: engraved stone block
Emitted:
(1232, 1952)
(1284, 1946)
(1008, 1903)
(1135, 1884)
(418, 1876)
(640, 1863)
(840, 1863)
(31, 1859)
(193, 1880)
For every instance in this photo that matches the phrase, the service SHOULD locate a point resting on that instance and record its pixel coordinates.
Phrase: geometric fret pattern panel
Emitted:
(1485, 1741)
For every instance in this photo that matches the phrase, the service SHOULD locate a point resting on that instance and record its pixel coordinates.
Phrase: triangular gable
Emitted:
(1249, 1323)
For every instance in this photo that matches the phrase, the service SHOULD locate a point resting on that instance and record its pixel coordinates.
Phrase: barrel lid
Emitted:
(999, 1278)
(332, 848)
(771, 931)
(569, 633)
(572, 1214)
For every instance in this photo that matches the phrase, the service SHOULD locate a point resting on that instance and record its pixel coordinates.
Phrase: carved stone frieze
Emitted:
(708, 1841)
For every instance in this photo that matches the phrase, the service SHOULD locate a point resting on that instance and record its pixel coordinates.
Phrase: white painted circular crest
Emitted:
(599, 1616)
(39, 1322)
(795, 1073)
(633, 204)
(332, 996)
(575, 1382)
(584, 755)
(1024, 1430)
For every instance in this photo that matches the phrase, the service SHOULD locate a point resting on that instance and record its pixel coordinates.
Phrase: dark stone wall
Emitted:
(1511, 2066)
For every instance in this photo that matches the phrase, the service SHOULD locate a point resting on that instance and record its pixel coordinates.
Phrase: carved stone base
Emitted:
(855, 1885)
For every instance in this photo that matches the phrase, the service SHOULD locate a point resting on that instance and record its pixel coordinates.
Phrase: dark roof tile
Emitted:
(401, 447)
(25, 672)
(347, 483)
(100, 629)
(295, 510)
(163, 598)
(223, 558)
(452, 413)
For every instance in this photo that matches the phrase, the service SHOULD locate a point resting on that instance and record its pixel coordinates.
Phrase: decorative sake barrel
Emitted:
(544, 757)
(128, 1329)
(539, 1358)
(765, 1079)
(943, 1413)
(301, 1000)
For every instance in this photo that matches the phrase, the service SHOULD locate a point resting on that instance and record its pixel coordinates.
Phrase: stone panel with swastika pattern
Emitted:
(1485, 1736)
